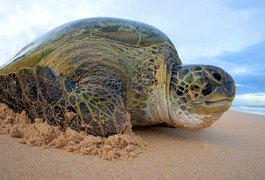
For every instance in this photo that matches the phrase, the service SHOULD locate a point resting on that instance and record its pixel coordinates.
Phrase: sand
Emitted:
(233, 148)
(124, 146)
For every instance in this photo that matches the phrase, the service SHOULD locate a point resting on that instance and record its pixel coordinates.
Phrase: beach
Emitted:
(232, 148)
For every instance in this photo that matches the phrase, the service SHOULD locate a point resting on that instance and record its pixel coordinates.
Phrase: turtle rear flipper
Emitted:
(62, 102)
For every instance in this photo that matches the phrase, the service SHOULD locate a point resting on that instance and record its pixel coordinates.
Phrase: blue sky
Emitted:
(227, 33)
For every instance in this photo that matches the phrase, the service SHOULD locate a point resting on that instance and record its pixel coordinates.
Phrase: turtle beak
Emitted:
(218, 93)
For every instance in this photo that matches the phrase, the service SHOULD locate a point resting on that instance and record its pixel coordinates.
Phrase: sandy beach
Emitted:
(233, 148)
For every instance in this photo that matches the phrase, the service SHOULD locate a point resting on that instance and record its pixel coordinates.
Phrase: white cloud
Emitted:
(257, 99)
(22, 21)
(197, 28)
(241, 70)
(202, 28)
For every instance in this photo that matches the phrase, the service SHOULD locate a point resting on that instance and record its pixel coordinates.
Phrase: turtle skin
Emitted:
(92, 75)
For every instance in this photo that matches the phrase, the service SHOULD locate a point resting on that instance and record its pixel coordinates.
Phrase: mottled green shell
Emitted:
(122, 31)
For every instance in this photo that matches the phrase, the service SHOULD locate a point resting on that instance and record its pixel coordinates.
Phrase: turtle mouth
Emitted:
(210, 107)
(219, 103)
(217, 106)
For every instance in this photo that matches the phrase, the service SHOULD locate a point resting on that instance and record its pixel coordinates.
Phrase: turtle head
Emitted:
(199, 94)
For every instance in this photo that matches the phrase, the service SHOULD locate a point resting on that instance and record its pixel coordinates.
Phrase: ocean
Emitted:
(250, 109)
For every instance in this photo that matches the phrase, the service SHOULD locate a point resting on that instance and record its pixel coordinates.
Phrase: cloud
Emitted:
(198, 28)
(202, 28)
(23, 20)
(248, 62)
(241, 70)
(250, 99)
(244, 4)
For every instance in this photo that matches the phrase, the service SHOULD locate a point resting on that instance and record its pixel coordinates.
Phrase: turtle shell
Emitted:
(123, 31)
(129, 32)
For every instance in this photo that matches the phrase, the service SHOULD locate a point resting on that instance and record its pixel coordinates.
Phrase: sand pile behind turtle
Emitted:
(17, 125)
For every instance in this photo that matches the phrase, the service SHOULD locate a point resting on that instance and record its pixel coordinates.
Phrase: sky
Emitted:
(226, 33)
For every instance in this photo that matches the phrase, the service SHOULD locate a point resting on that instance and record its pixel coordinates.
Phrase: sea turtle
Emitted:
(96, 74)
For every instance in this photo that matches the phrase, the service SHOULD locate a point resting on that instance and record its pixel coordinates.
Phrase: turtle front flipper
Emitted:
(62, 102)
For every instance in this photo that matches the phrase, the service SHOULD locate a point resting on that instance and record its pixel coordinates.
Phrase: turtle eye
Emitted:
(217, 76)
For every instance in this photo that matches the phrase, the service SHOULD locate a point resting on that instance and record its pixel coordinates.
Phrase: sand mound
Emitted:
(17, 125)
